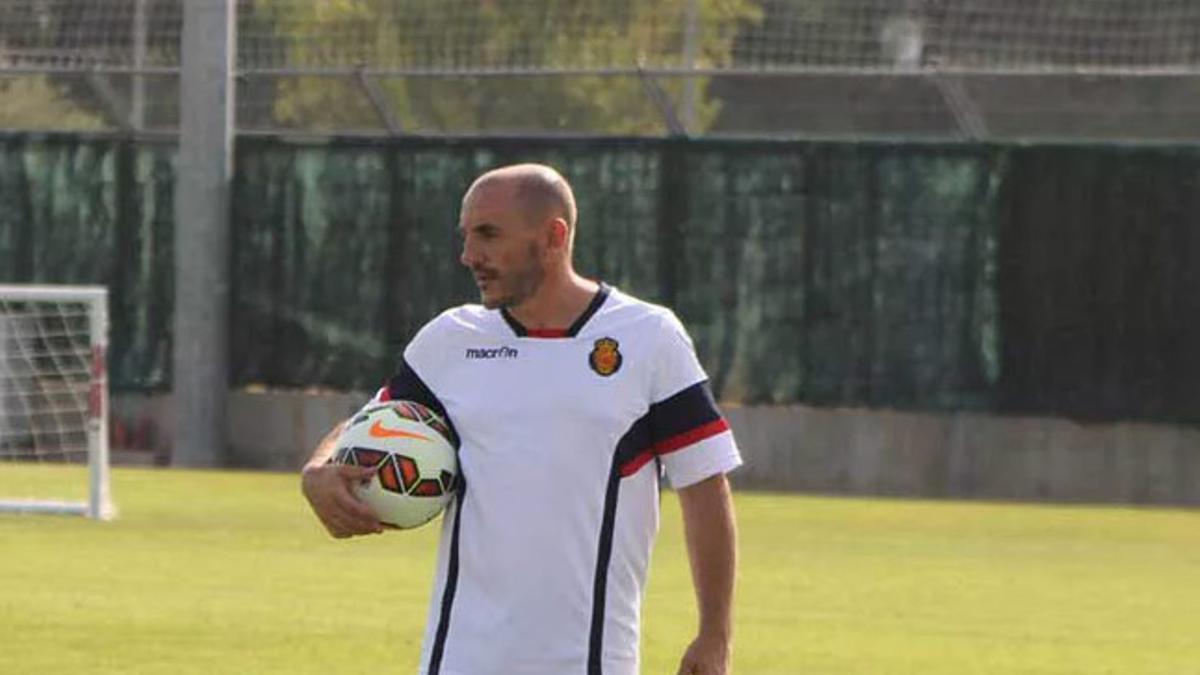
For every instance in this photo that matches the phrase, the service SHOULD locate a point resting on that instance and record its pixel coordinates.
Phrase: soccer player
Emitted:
(570, 400)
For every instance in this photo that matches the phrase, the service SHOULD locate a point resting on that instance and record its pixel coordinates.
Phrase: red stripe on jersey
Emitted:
(634, 465)
(384, 395)
(690, 437)
(546, 333)
(674, 443)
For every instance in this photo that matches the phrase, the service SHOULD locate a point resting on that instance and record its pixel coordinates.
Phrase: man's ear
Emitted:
(560, 234)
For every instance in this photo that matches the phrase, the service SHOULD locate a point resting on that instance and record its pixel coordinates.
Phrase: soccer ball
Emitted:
(416, 469)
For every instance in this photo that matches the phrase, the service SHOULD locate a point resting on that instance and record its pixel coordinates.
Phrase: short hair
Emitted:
(539, 189)
(545, 192)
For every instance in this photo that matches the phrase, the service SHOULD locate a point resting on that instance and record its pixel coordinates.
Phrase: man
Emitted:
(569, 399)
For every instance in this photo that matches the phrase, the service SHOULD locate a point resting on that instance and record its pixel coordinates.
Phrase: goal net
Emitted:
(54, 401)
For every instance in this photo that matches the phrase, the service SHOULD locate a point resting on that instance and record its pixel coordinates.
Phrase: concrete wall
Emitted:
(966, 455)
(847, 451)
(279, 430)
(267, 430)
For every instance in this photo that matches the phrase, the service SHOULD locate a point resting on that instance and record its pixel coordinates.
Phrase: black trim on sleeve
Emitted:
(443, 628)
(406, 385)
(671, 418)
(686, 410)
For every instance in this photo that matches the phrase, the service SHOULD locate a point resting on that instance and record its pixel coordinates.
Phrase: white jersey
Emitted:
(544, 552)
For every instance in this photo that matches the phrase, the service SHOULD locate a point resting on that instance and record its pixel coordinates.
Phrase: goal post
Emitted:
(54, 453)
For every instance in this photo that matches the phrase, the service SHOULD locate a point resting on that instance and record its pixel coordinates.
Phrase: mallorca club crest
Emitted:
(605, 358)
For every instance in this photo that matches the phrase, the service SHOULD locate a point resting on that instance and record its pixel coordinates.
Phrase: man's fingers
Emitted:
(340, 494)
(357, 514)
(690, 664)
(355, 474)
(341, 524)
(351, 514)
(333, 524)
(331, 494)
(336, 527)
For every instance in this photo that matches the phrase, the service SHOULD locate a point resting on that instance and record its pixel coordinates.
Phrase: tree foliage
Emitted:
(505, 34)
(35, 102)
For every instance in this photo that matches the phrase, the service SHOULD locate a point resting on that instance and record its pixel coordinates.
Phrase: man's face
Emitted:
(503, 251)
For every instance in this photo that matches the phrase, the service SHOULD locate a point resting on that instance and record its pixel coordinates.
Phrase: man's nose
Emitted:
(468, 256)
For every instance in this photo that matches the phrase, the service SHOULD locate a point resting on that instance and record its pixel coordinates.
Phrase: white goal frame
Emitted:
(99, 504)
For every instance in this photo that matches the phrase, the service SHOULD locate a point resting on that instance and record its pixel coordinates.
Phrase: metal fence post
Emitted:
(200, 378)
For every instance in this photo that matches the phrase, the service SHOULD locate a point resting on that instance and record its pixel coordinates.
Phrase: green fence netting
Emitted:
(75, 210)
(1099, 283)
(1056, 280)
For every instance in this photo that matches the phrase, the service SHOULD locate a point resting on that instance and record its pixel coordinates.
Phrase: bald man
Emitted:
(571, 401)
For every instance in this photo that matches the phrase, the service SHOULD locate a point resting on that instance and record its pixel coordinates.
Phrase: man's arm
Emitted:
(329, 489)
(711, 533)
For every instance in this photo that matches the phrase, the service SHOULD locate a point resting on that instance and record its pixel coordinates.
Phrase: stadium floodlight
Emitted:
(54, 400)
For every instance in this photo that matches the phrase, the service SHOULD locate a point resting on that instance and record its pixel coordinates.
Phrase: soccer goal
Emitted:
(54, 400)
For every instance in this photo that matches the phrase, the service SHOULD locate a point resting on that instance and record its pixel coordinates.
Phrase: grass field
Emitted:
(219, 572)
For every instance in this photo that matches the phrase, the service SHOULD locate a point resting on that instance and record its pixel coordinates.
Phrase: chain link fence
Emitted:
(975, 69)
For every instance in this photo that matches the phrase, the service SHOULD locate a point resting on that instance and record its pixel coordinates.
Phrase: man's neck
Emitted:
(557, 304)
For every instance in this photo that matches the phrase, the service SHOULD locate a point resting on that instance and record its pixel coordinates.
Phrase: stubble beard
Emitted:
(521, 284)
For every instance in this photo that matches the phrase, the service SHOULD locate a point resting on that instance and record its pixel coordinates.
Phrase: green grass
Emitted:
(218, 572)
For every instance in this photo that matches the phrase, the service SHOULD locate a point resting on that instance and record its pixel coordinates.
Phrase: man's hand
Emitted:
(329, 488)
(706, 656)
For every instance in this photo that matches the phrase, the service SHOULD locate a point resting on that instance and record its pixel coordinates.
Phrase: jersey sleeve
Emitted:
(687, 432)
(406, 383)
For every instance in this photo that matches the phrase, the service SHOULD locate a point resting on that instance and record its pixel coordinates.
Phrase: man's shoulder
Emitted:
(464, 322)
(622, 307)
(463, 318)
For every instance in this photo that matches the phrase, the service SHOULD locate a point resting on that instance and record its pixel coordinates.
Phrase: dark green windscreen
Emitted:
(1044, 279)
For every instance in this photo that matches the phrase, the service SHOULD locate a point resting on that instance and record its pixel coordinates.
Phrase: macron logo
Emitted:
(496, 353)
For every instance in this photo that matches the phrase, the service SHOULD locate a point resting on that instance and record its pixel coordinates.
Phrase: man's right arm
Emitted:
(329, 489)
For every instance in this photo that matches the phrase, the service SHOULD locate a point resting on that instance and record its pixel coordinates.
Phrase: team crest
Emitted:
(605, 358)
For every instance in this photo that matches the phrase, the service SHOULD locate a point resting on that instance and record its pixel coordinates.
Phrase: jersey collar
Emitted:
(592, 308)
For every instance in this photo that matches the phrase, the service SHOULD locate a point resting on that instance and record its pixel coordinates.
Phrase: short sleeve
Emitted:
(406, 383)
(689, 435)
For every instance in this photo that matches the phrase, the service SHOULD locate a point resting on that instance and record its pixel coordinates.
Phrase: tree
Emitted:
(34, 102)
(511, 35)
(75, 34)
